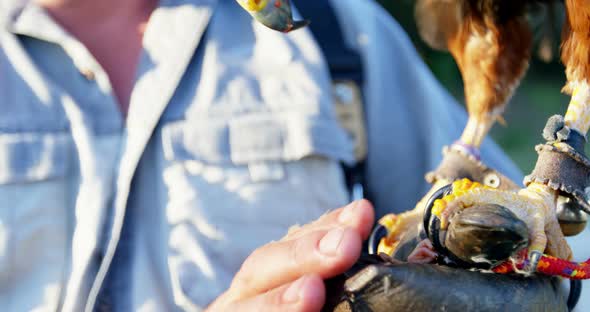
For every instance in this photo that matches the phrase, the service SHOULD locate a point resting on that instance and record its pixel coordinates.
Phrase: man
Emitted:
(147, 148)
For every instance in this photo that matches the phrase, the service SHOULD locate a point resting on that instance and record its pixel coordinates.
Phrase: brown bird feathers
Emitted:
(490, 41)
(575, 48)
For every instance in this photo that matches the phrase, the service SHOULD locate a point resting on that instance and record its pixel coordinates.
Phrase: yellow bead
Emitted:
(253, 5)
(385, 247)
(543, 264)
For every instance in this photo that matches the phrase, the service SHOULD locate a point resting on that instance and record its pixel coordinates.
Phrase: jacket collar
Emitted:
(173, 33)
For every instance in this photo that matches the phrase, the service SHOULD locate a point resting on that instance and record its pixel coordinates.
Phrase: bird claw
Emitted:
(533, 263)
(534, 205)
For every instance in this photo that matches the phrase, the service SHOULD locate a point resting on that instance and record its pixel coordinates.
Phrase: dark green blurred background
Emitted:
(537, 98)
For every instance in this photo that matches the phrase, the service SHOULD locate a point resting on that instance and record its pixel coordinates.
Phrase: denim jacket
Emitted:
(231, 138)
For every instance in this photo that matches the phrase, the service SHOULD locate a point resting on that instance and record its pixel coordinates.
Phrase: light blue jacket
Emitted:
(230, 139)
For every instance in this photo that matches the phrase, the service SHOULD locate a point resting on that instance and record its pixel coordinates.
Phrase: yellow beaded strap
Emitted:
(386, 245)
(460, 188)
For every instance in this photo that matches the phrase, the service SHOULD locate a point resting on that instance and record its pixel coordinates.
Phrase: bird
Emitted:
(274, 14)
(537, 203)
(499, 27)
(491, 43)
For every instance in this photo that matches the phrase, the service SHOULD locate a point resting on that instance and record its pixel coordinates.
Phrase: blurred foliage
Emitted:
(537, 98)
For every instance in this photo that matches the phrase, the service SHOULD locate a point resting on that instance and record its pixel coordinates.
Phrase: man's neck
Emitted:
(73, 13)
(112, 30)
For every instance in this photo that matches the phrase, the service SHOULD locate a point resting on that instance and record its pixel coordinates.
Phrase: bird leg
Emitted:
(577, 116)
(473, 135)
(475, 131)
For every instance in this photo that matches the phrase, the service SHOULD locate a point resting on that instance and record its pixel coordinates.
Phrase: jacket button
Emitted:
(88, 74)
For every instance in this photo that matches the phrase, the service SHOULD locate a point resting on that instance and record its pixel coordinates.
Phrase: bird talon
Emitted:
(534, 258)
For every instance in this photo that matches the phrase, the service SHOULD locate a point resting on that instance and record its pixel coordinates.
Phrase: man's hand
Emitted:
(288, 275)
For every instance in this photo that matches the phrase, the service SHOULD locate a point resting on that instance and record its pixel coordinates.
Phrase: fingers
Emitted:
(423, 253)
(305, 294)
(325, 253)
(326, 247)
(358, 215)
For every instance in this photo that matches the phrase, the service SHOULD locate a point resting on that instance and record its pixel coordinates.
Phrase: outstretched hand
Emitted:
(287, 275)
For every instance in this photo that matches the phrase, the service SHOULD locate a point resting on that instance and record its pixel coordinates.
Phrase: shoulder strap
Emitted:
(344, 63)
(346, 69)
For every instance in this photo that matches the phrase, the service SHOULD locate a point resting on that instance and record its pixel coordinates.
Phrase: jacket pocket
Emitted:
(256, 137)
(33, 219)
(234, 185)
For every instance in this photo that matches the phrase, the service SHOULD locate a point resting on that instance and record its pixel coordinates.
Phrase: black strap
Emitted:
(344, 63)
(575, 293)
